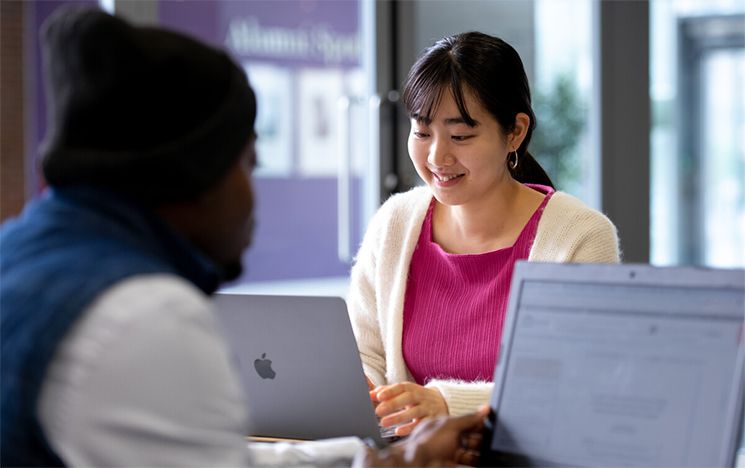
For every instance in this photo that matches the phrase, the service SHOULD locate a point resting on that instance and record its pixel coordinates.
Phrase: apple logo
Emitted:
(264, 367)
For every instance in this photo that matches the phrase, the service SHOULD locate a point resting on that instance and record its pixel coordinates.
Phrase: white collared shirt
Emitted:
(144, 379)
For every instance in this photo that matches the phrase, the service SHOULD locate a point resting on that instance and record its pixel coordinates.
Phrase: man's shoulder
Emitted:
(147, 345)
(158, 293)
(160, 300)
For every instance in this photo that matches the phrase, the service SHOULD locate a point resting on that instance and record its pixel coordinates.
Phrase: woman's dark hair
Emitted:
(492, 70)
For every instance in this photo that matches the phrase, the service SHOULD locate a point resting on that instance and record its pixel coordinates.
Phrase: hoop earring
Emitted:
(513, 164)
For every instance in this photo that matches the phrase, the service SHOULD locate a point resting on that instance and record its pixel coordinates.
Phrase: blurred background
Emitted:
(640, 108)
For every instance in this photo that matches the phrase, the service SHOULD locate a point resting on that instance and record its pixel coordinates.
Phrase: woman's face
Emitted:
(460, 163)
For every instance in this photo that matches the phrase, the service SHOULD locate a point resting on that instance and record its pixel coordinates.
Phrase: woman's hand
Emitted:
(370, 384)
(405, 404)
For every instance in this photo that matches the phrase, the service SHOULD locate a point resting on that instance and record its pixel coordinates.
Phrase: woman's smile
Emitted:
(447, 180)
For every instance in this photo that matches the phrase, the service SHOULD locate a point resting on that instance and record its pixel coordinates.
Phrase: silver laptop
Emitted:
(620, 365)
(299, 365)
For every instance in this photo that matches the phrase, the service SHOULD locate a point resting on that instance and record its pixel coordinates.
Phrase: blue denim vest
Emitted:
(67, 248)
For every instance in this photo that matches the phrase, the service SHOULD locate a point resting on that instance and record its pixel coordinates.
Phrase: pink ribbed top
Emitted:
(455, 305)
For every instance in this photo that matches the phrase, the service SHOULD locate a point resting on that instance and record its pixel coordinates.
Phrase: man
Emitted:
(110, 354)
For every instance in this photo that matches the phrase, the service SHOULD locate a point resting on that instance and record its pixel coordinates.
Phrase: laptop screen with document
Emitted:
(621, 365)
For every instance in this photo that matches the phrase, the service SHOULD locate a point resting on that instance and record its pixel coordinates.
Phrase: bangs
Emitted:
(425, 86)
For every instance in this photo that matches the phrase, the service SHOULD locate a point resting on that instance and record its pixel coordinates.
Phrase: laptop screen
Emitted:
(604, 373)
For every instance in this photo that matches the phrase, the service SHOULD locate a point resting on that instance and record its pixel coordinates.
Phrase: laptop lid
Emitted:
(299, 365)
(620, 365)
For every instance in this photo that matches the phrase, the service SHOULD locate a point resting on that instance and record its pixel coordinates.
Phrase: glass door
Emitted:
(722, 151)
(315, 181)
(698, 149)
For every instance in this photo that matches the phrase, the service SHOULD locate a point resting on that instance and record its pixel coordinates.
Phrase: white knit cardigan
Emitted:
(568, 231)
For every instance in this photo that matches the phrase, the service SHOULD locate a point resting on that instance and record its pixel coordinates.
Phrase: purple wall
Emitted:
(287, 32)
(296, 232)
(297, 227)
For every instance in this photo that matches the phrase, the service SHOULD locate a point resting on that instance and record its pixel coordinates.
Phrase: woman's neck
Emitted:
(492, 222)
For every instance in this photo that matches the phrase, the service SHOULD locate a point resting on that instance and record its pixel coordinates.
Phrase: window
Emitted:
(698, 150)
(562, 96)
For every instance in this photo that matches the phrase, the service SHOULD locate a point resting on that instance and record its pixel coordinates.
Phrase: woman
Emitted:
(431, 281)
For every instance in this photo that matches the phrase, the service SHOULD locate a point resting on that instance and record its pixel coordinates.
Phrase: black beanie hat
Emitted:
(144, 111)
